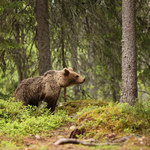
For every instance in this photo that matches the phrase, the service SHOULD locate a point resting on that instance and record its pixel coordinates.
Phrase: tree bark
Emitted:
(75, 89)
(20, 55)
(74, 55)
(63, 46)
(90, 47)
(74, 62)
(92, 83)
(129, 54)
(63, 55)
(43, 35)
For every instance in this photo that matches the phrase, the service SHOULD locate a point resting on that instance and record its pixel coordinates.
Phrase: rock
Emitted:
(60, 104)
(37, 136)
(72, 127)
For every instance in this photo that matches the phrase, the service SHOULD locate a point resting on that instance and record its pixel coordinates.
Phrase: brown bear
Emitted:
(47, 87)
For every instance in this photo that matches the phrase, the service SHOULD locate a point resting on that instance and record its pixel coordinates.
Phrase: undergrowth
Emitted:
(17, 120)
(114, 118)
(98, 118)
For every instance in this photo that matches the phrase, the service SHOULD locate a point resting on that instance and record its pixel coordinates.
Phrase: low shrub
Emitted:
(19, 120)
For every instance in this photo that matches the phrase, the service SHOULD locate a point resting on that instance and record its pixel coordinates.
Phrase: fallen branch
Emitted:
(74, 141)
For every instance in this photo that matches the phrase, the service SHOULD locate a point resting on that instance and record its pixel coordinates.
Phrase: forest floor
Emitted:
(47, 142)
(32, 143)
(111, 140)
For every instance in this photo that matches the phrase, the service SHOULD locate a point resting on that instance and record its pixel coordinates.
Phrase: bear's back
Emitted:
(28, 87)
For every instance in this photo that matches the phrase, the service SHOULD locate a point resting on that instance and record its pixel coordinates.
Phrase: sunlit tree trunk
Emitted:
(129, 54)
(43, 35)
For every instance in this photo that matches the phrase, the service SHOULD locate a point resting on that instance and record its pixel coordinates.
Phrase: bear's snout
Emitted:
(83, 79)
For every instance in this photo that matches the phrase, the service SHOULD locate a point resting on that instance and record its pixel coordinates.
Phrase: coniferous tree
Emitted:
(42, 17)
(129, 55)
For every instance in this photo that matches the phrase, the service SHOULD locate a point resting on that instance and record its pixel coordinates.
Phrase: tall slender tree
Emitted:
(74, 56)
(129, 54)
(74, 63)
(20, 55)
(42, 16)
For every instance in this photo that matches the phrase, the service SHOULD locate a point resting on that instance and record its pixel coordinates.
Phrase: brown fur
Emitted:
(47, 87)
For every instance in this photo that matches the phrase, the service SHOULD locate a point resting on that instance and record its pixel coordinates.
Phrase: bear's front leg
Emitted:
(51, 103)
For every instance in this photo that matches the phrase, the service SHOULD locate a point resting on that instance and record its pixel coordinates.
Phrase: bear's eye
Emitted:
(77, 76)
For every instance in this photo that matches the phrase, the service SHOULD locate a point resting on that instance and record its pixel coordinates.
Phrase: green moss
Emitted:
(74, 106)
(113, 118)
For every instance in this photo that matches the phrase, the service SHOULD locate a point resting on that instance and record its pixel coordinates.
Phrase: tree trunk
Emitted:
(43, 35)
(20, 55)
(75, 89)
(90, 46)
(63, 47)
(74, 59)
(92, 83)
(129, 55)
(63, 56)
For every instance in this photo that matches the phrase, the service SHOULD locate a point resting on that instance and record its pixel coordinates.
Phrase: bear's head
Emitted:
(67, 77)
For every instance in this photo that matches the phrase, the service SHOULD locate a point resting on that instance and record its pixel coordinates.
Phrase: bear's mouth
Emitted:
(75, 82)
(82, 81)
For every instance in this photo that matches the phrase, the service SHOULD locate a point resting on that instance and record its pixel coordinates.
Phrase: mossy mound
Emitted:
(77, 105)
(114, 118)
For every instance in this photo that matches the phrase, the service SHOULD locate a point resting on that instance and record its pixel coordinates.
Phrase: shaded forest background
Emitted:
(84, 35)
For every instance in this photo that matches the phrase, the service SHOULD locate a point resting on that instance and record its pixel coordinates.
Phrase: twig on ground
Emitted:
(74, 141)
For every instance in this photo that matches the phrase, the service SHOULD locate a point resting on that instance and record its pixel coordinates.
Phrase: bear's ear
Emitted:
(66, 72)
(45, 74)
(70, 69)
(51, 72)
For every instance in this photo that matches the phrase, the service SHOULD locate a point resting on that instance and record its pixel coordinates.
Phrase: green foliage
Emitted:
(19, 120)
(93, 29)
(117, 118)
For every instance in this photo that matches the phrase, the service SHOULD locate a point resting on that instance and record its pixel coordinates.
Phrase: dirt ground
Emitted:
(47, 142)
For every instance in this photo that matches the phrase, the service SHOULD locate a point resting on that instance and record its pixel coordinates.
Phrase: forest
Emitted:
(107, 43)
